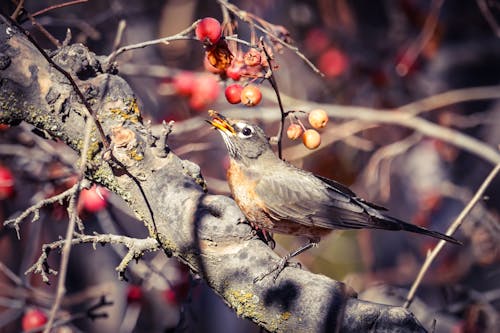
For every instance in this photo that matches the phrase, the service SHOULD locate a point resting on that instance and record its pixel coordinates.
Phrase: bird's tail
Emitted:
(396, 224)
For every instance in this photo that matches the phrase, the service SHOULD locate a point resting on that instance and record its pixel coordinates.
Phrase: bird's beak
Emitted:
(221, 123)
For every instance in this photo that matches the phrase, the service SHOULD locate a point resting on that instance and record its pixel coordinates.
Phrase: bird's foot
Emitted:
(277, 269)
(264, 236)
(274, 271)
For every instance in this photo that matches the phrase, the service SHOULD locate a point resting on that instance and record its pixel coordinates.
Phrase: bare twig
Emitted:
(451, 97)
(36, 207)
(274, 84)
(331, 135)
(388, 152)
(250, 19)
(454, 137)
(425, 36)
(239, 41)
(44, 31)
(10, 274)
(61, 5)
(119, 34)
(451, 230)
(136, 248)
(165, 40)
(73, 217)
(485, 10)
(19, 7)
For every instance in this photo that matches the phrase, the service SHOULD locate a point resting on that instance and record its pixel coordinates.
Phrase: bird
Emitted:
(277, 197)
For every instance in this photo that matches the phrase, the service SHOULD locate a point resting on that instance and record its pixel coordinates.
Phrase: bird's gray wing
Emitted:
(301, 197)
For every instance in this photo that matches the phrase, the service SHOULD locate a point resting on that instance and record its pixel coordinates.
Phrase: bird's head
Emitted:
(245, 142)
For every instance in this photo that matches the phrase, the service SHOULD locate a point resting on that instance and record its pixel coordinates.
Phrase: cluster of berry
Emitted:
(310, 137)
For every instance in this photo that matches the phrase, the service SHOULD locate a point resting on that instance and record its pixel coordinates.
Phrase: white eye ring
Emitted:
(246, 131)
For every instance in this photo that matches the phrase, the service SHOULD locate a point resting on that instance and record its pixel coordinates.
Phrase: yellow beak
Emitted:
(220, 122)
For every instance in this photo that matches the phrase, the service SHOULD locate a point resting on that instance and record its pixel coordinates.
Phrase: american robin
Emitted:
(278, 197)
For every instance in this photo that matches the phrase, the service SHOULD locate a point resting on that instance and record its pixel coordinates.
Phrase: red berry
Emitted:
(205, 91)
(316, 41)
(233, 93)
(332, 62)
(134, 294)
(294, 131)
(251, 95)
(318, 118)
(311, 139)
(32, 319)
(178, 293)
(208, 29)
(233, 72)
(93, 199)
(184, 82)
(6, 183)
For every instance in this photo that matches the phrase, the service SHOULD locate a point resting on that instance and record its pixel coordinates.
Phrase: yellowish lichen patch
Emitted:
(130, 111)
(248, 304)
(245, 302)
(135, 155)
(285, 315)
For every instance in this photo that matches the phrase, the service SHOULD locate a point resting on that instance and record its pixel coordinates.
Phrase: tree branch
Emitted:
(201, 230)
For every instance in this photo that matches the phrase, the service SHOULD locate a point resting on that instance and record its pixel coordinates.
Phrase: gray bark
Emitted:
(202, 230)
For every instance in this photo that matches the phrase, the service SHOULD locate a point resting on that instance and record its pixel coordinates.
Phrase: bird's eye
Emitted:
(247, 131)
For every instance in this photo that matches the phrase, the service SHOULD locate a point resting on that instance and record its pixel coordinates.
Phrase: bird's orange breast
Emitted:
(242, 188)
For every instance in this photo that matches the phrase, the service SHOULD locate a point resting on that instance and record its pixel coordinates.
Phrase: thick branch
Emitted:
(201, 230)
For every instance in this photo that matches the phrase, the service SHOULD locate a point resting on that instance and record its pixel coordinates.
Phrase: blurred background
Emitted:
(374, 54)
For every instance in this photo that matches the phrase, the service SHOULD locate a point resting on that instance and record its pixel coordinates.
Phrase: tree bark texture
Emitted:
(166, 193)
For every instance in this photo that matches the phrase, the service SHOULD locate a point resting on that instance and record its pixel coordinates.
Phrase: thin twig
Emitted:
(389, 151)
(73, 217)
(274, 84)
(412, 53)
(483, 6)
(36, 207)
(451, 230)
(450, 97)
(239, 41)
(10, 274)
(119, 33)
(183, 35)
(244, 16)
(405, 116)
(19, 7)
(44, 31)
(61, 5)
(136, 247)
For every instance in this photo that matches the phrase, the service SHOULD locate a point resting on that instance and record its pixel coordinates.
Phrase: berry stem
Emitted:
(274, 84)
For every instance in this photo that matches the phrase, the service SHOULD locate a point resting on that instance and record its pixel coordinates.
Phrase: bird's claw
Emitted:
(277, 269)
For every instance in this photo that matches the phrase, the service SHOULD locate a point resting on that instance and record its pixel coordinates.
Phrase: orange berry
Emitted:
(311, 139)
(294, 131)
(318, 118)
(251, 95)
